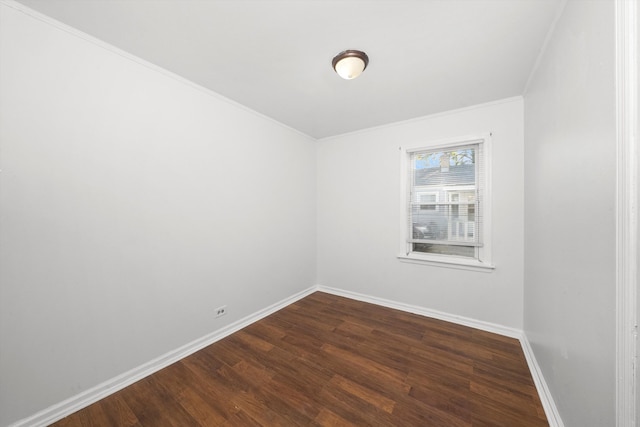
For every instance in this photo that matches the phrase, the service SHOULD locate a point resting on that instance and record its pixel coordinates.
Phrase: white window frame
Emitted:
(483, 262)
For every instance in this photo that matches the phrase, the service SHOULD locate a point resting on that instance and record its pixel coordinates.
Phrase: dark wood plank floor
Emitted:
(332, 361)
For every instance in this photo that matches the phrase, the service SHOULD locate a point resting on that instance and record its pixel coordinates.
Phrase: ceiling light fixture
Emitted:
(350, 63)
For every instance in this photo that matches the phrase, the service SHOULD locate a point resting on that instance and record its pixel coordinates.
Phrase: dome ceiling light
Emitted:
(350, 63)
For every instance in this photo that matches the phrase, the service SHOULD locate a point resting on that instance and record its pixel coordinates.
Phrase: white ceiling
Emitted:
(275, 56)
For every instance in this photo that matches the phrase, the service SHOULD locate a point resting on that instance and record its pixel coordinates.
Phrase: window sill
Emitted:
(447, 262)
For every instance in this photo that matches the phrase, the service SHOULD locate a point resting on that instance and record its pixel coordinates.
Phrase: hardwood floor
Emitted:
(332, 361)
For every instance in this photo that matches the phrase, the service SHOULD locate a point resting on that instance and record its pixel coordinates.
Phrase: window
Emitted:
(446, 208)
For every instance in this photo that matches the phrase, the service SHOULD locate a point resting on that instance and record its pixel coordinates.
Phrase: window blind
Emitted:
(446, 197)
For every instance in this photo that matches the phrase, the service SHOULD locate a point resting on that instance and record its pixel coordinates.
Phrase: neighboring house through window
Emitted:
(446, 205)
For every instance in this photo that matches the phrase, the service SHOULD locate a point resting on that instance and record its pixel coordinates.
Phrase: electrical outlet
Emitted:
(221, 311)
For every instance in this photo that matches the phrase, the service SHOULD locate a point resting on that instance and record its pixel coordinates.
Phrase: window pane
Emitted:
(444, 222)
(465, 251)
(454, 167)
(444, 201)
(427, 201)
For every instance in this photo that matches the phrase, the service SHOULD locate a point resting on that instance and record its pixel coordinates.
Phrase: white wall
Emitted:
(570, 169)
(638, 260)
(359, 217)
(133, 204)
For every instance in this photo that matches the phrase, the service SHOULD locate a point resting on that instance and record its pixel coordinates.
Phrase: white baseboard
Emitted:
(86, 398)
(427, 312)
(92, 395)
(550, 409)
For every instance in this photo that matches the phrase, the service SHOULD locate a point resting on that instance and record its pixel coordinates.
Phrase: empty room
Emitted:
(319, 213)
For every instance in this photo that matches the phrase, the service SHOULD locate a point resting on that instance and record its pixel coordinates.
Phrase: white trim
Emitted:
(126, 55)
(421, 118)
(92, 395)
(550, 409)
(443, 143)
(626, 32)
(427, 312)
(448, 262)
(86, 398)
(543, 48)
